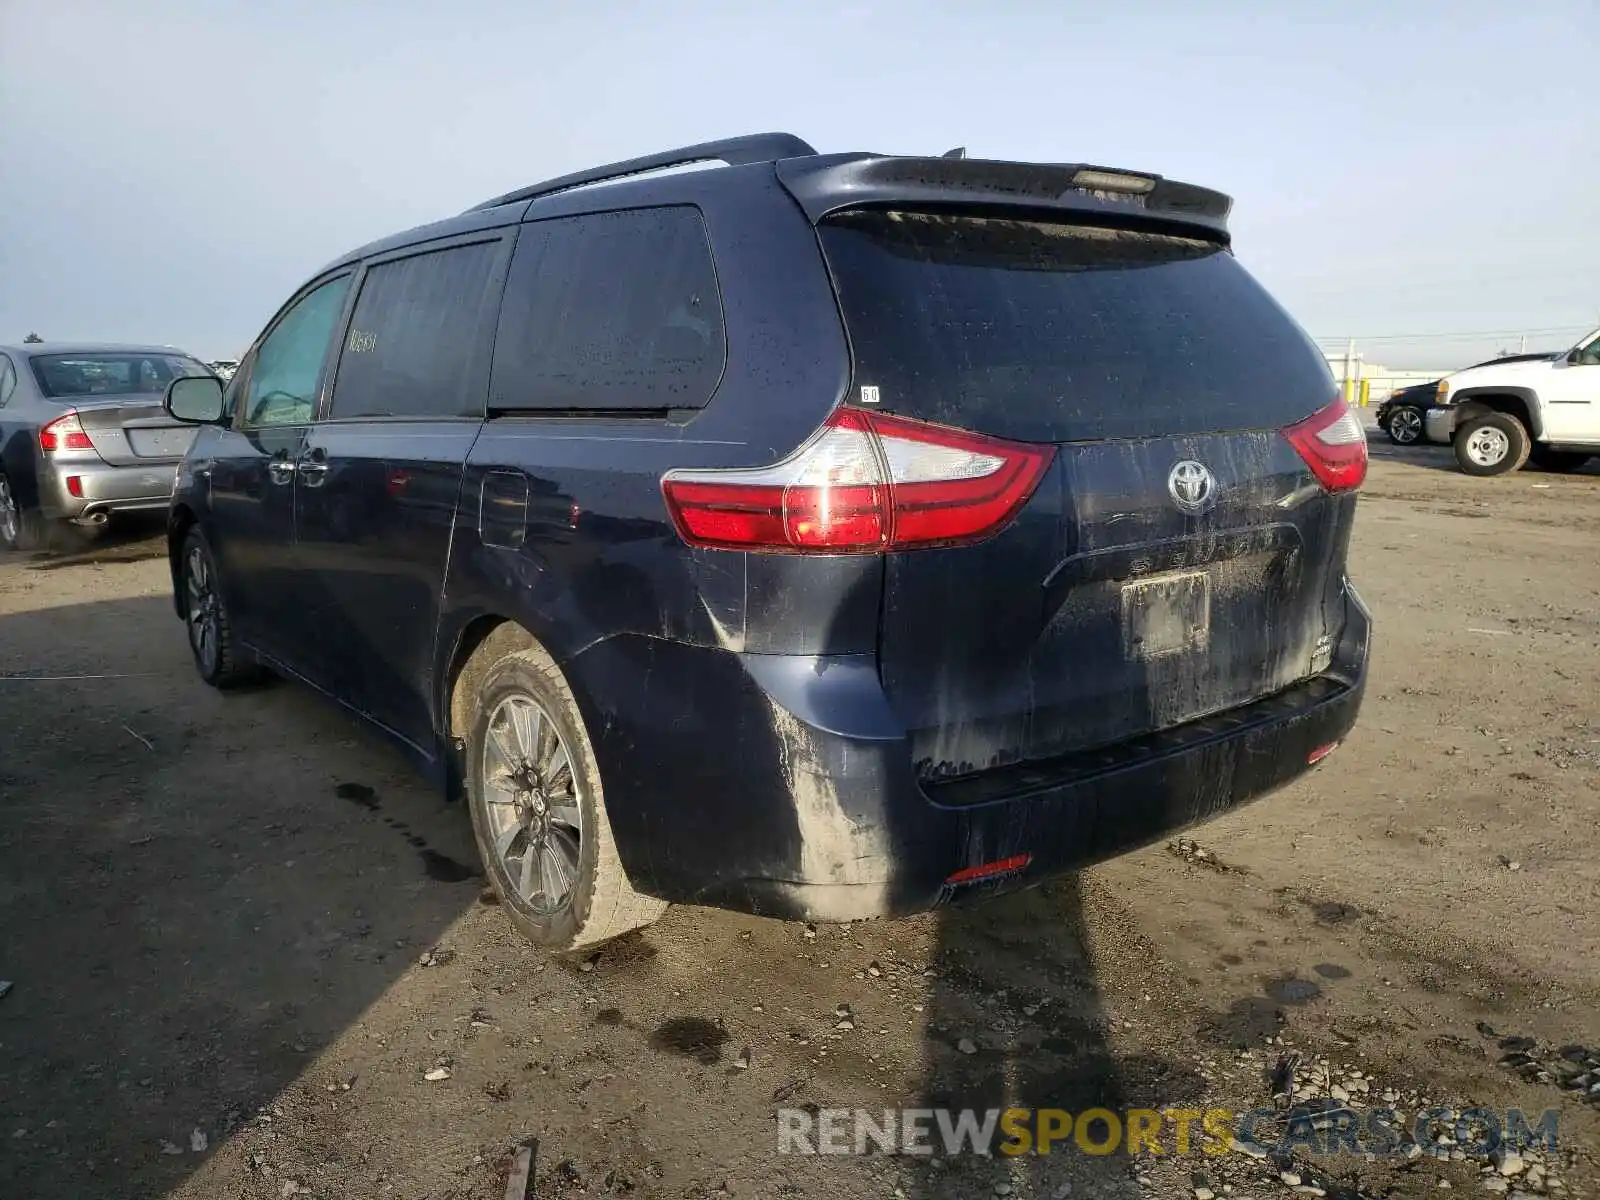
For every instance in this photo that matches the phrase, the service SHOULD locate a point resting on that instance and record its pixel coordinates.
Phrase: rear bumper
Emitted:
(103, 488)
(780, 785)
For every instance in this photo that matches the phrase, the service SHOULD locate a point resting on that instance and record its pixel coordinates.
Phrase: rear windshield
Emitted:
(62, 376)
(1049, 332)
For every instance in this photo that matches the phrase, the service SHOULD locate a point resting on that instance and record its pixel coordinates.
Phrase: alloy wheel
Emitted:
(533, 803)
(1406, 426)
(205, 626)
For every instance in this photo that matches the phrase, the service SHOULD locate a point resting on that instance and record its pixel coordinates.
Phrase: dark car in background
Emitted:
(1401, 413)
(84, 436)
(870, 551)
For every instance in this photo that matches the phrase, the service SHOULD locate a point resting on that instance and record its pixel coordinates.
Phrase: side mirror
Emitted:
(196, 399)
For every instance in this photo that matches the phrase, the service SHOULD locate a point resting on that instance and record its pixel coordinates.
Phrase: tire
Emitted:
(1558, 460)
(1493, 443)
(20, 528)
(574, 891)
(1404, 426)
(210, 631)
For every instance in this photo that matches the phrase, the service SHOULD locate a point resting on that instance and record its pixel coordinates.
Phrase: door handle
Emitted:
(314, 466)
(313, 473)
(281, 470)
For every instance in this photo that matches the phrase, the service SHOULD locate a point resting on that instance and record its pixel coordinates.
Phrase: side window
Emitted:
(610, 311)
(282, 389)
(415, 336)
(8, 380)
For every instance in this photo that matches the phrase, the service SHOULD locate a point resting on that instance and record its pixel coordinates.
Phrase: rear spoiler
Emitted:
(825, 184)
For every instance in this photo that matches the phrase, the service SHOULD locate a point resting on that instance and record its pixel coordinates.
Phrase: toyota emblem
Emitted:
(1193, 487)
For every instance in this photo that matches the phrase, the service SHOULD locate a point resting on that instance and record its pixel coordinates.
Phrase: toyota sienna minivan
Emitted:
(823, 536)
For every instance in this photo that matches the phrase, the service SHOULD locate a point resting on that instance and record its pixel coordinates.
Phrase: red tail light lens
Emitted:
(1004, 866)
(1334, 446)
(863, 483)
(64, 433)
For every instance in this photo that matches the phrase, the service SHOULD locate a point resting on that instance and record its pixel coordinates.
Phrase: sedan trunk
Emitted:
(133, 430)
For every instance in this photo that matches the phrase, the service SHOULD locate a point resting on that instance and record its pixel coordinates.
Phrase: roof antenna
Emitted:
(958, 152)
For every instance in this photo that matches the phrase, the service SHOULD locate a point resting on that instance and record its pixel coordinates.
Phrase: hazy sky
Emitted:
(169, 171)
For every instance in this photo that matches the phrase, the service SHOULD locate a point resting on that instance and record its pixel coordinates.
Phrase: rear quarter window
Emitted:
(1050, 332)
(610, 311)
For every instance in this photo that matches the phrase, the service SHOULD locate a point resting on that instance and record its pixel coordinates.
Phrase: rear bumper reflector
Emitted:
(1320, 753)
(1004, 866)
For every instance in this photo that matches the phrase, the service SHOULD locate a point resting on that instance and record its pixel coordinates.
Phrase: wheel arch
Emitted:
(1521, 403)
(484, 639)
(180, 519)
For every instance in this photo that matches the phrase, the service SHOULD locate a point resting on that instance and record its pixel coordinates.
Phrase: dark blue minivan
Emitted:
(815, 535)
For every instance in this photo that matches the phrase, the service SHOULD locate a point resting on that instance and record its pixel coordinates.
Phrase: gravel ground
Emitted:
(250, 957)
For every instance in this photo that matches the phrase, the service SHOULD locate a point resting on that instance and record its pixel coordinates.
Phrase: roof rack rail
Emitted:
(735, 151)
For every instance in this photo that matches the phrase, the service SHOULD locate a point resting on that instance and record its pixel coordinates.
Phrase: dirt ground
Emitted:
(231, 974)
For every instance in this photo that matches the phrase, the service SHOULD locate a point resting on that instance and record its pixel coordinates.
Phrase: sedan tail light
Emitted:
(863, 483)
(1333, 445)
(64, 433)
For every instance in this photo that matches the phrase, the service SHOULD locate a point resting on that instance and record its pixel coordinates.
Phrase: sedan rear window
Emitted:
(65, 376)
(1050, 332)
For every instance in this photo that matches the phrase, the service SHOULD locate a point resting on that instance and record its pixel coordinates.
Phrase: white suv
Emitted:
(1499, 415)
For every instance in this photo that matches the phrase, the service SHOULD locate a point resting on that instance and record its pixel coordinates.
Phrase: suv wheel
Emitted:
(1492, 444)
(205, 614)
(538, 813)
(1404, 426)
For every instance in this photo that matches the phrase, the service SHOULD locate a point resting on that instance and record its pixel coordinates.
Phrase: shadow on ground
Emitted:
(1017, 1019)
(130, 538)
(191, 911)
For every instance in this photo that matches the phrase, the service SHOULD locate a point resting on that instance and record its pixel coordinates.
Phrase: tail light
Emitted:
(1334, 446)
(863, 483)
(64, 433)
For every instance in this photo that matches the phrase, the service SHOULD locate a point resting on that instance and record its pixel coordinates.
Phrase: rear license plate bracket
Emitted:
(1166, 614)
(160, 442)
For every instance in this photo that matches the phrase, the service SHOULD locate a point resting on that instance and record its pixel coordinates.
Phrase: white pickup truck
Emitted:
(1498, 416)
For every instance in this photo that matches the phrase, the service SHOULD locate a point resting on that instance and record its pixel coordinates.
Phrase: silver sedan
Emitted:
(83, 435)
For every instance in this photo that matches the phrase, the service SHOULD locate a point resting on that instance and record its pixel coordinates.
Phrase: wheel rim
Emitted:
(10, 519)
(1488, 446)
(533, 803)
(1406, 425)
(204, 625)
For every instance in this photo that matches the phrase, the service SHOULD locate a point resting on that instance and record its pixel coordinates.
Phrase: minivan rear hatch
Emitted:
(1179, 558)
